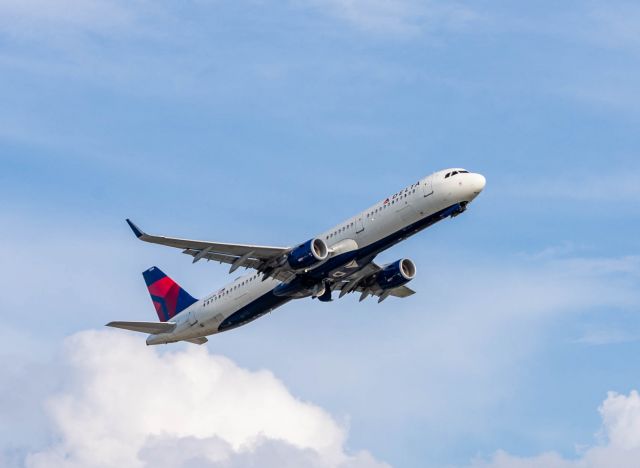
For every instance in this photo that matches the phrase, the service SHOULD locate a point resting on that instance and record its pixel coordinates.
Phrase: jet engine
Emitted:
(396, 274)
(308, 254)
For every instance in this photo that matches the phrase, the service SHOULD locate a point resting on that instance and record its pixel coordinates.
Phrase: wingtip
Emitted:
(135, 229)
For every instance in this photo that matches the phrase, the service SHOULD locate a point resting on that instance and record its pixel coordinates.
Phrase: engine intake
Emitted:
(396, 274)
(308, 254)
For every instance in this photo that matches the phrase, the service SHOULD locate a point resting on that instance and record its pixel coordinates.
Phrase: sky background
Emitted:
(268, 122)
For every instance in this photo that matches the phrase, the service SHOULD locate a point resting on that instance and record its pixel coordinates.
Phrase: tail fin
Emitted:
(168, 297)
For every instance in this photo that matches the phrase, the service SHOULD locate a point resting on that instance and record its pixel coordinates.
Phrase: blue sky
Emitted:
(267, 122)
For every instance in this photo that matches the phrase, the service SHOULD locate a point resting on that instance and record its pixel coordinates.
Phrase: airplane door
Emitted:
(359, 225)
(427, 187)
(192, 318)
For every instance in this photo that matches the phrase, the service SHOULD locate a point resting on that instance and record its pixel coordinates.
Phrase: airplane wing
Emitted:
(153, 328)
(237, 255)
(364, 282)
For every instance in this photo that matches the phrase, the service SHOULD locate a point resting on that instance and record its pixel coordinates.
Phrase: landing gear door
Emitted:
(427, 186)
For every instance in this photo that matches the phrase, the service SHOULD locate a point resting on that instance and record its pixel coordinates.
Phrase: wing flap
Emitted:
(223, 258)
(153, 328)
(198, 341)
(402, 291)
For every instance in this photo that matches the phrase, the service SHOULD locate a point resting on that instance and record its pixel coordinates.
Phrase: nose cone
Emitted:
(474, 184)
(478, 183)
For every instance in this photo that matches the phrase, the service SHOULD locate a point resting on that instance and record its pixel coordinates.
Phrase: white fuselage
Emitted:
(371, 229)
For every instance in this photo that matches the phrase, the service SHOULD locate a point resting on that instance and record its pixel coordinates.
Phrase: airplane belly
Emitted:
(247, 301)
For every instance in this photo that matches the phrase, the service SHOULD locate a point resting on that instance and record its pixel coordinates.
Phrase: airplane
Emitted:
(340, 260)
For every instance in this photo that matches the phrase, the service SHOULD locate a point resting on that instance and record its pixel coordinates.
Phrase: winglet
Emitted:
(135, 229)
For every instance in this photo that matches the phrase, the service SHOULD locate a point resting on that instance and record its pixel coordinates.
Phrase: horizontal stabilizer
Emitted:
(153, 328)
(198, 341)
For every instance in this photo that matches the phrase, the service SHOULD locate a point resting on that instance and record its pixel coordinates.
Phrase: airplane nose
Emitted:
(476, 184)
(479, 183)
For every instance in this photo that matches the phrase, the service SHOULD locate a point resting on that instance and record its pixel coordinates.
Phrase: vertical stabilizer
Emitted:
(168, 297)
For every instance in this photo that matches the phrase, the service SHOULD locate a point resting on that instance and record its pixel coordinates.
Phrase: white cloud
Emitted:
(620, 447)
(621, 418)
(124, 404)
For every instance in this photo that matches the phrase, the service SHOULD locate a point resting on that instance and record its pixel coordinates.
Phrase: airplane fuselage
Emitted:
(353, 244)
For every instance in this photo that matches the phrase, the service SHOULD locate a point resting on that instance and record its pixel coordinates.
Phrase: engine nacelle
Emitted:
(396, 274)
(308, 254)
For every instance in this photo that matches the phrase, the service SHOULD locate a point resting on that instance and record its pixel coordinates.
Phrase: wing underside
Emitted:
(269, 261)
(258, 257)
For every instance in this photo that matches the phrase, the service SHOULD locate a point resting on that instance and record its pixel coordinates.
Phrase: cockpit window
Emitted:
(453, 173)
